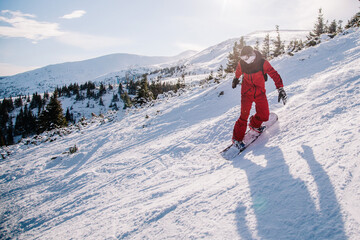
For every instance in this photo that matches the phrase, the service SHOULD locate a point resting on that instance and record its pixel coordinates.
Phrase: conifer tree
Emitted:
(52, 117)
(144, 94)
(319, 27)
(69, 116)
(18, 102)
(266, 47)
(220, 74)
(19, 123)
(234, 57)
(120, 89)
(126, 99)
(2, 139)
(332, 28)
(339, 29)
(9, 134)
(30, 124)
(354, 21)
(278, 44)
(101, 102)
(257, 45)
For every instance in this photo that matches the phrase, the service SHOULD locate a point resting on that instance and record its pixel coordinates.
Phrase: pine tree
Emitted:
(279, 48)
(18, 102)
(101, 102)
(126, 99)
(69, 116)
(143, 94)
(52, 117)
(241, 45)
(339, 29)
(266, 47)
(2, 139)
(20, 123)
(319, 27)
(220, 74)
(234, 57)
(115, 97)
(257, 45)
(333, 28)
(9, 134)
(120, 89)
(102, 89)
(30, 124)
(354, 21)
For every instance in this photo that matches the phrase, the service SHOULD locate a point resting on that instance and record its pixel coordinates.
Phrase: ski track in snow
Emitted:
(161, 176)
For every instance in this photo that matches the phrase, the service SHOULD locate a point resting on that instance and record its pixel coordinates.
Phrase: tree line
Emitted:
(50, 116)
(41, 113)
(272, 48)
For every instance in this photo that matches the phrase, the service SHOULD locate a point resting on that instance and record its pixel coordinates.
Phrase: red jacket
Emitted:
(253, 82)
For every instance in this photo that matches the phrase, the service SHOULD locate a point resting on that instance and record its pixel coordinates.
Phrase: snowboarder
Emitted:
(254, 68)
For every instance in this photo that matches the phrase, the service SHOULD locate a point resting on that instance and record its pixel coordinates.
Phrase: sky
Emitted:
(36, 33)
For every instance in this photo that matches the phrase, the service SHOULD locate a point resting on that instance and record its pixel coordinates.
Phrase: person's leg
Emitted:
(241, 123)
(262, 111)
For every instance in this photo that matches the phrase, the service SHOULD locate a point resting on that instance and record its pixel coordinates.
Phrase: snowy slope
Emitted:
(49, 77)
(156, 172)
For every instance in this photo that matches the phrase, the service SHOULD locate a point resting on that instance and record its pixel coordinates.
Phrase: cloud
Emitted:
(74, 14)
(25, 26)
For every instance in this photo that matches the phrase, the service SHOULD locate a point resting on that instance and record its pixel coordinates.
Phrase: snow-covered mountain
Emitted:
(49, 77)
(156, 172)
(107, 67)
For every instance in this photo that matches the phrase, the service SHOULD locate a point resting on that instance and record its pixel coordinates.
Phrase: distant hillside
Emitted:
(47, 78)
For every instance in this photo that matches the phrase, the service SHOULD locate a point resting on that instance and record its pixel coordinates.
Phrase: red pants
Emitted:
(262, 114)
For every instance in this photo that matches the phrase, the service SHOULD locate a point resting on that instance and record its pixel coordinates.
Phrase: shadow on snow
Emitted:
(282, 204)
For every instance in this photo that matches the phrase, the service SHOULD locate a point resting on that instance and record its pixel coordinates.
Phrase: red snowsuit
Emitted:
(253, 90)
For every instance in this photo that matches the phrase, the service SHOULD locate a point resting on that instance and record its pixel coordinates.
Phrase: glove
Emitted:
(282, 95)
(235, 82)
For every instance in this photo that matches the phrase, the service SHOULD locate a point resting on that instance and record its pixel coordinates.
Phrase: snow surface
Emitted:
(156, 172)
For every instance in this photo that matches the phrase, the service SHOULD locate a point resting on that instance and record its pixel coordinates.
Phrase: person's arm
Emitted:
(273, 74)
(277, 80)
(238, 73)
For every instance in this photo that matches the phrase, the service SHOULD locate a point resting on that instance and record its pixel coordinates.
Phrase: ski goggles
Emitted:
(248, 58)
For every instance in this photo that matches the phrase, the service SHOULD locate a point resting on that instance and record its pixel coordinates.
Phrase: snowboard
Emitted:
(250, 136)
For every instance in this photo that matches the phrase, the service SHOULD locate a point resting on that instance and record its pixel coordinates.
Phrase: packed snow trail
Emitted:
(156, 172)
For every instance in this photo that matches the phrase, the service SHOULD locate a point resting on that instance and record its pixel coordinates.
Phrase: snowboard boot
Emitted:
(239, 144)
(257, 130)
